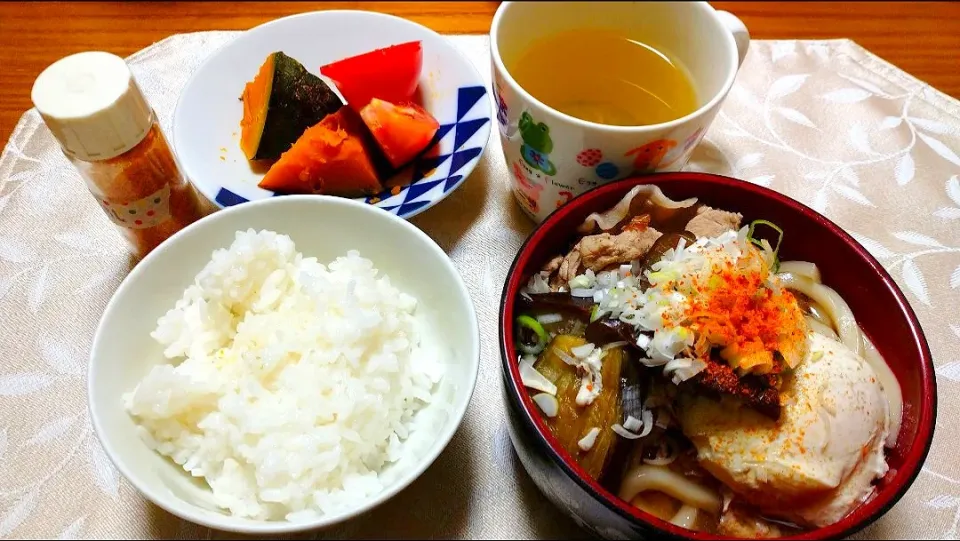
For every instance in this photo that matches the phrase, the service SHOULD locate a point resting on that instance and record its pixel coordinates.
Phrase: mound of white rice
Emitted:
(292, 384)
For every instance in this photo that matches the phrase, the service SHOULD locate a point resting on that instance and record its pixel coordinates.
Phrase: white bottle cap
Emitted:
(92, 105)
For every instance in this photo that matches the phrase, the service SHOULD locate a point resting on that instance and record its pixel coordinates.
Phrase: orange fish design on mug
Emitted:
(649, 156)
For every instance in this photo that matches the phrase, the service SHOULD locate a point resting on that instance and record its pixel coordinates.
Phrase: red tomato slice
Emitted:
(391, 74)
(401, 131)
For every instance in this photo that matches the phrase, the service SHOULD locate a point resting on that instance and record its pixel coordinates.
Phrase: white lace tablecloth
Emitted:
(825, 122)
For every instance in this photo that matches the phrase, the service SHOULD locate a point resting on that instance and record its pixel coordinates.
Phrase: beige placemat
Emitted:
(825, 122)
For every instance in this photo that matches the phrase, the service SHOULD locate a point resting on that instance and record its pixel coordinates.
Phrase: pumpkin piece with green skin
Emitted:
(335, 157)
(279, 104)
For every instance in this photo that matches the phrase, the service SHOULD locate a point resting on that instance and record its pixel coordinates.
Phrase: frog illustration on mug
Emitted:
(537, 145)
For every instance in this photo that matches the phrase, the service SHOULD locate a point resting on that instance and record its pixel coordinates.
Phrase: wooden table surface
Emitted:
(922, 38)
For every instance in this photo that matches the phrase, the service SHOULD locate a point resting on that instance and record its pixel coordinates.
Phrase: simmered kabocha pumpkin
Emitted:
(572, 421)
(335, 157)
(281, 102)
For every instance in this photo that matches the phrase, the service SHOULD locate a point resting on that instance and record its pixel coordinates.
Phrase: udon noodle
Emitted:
(670, 334)
(660, 479)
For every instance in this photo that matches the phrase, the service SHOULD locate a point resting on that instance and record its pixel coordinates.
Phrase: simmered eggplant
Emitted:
(606, 331)
(573, 422)
(562, 303)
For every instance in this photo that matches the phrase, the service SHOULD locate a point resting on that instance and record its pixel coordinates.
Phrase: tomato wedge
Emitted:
(391, 74)
(401, 131)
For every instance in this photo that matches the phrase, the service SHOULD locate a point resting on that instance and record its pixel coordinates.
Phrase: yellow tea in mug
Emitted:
(603, 77)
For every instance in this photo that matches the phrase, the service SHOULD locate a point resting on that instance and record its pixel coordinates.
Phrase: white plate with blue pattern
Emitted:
(206, 123)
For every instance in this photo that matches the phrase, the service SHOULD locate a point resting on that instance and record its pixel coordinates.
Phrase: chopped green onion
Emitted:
(533, 326)
(595, 313)
(753, 240)
(580, 282)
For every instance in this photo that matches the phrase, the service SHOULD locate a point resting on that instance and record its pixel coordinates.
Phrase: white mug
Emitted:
(553, 157)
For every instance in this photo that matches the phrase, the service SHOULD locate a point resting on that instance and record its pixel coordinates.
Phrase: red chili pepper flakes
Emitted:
(638, 223)
(740, 311)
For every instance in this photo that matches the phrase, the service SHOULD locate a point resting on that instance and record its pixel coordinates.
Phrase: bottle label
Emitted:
(142, 213)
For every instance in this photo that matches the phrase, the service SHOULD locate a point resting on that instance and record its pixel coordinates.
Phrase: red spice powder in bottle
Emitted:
(93, 106)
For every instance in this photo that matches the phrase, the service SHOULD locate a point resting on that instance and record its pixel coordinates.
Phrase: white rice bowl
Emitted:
(290, 384)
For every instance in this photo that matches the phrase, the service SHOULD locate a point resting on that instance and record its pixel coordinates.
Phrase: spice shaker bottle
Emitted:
(93, 106)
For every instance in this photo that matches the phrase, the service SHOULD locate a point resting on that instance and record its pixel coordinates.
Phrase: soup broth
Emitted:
(604, 77)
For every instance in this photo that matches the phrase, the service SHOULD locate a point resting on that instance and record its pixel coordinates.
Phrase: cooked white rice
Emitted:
(291, 384)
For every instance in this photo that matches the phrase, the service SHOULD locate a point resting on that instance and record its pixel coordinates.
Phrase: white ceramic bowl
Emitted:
(206, 122)
(325, 227)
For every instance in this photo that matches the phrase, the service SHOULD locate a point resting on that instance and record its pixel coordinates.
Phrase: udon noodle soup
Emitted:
(694, 374)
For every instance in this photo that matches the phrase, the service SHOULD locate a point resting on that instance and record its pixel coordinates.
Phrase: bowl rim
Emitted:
(850, 524)
(253, 527)
(465, 171)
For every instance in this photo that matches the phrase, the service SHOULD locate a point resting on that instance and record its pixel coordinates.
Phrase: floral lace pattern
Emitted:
(824, 121)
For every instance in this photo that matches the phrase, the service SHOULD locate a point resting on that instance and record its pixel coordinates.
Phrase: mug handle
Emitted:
(739, 31)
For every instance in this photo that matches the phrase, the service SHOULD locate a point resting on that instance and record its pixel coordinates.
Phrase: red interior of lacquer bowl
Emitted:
(876, 301)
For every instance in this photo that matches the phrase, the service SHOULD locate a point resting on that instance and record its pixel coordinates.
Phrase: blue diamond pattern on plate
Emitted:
(443, 130)
(465, 131)
(467, 97)
(420, 188)
(227, 198)
(451, 182)
(455, 146)
(462, 158)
